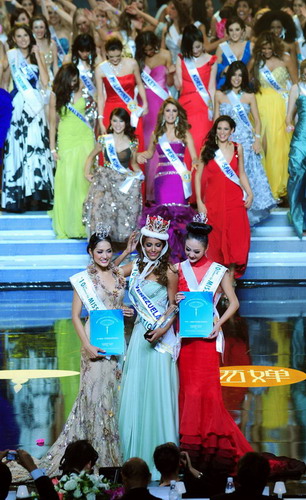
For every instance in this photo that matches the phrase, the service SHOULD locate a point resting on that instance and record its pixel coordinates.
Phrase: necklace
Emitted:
(116, 68)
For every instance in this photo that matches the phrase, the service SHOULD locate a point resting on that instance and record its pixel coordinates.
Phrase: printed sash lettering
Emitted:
(227, 170)
(179, 166)
(60, 51)
(199, 85)
(154, 86)
(85, 289)
(86, 79)
(132, 105)
(229, 54)
(268, 76)
(78, 114)
(239, 109)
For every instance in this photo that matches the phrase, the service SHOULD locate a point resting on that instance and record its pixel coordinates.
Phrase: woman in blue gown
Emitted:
(148, 414)
(297, 155)
(234, 49)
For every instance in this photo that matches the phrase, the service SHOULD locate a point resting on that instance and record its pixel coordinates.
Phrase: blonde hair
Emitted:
(75, 30)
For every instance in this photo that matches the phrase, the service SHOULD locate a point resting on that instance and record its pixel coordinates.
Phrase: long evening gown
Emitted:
(229, 241)
(28, 164)
(207, 431)
(196, 109)
(148, 414)
(106, 204)
(170, 201)
(112, 101)
(225, 62)
(297, 170)
(159, 74)
(93, 415)
(263, 200)
(75, 142)
(272, 112)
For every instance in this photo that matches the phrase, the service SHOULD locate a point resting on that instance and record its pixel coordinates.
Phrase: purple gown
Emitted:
(171, 203)
(159, 74)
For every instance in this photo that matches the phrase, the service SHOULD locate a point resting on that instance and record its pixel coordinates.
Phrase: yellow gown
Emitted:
(272, 111)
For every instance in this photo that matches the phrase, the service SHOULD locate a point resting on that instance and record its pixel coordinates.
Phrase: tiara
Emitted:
(200, 217)
(156, 227)
(102, 231)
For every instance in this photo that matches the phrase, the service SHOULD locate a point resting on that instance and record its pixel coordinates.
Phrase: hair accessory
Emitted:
(156, 227)
(102, 231)
(200, 217)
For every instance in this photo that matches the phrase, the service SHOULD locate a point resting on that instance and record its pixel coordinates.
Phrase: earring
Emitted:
(216, 140)
(110, 128)
(176, 121)
(163, 122)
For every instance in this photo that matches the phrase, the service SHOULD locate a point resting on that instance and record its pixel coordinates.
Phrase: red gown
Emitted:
(207, 431)
(229, 241)
(196, 109)
(112, 101)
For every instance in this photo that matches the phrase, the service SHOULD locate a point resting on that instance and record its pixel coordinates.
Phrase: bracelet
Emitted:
(257, 136)
(100, 117)
(55, 8)
(200, 475)
(53, 151)
(117, 12)
(13, 2)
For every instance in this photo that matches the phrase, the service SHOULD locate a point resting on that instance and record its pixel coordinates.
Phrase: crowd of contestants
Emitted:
(110, 116)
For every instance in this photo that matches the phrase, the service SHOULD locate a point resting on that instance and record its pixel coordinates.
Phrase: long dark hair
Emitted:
(113, 43)
(125, 22)
(161, 270)
(198, 231)
(42, 18)
(62, 85)
(191, 34)
(81, 43)
(123, 115)
(183, 11)
(28, 30)
(211, 146)
(142, 40)
(198, 13)
(77, 455)
(264, 24)
(245, 84)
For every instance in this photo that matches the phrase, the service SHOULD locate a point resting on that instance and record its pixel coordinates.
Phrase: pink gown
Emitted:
(159, 74)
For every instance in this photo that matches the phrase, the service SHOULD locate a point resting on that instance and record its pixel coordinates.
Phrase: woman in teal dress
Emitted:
(75, 142)
(297, 155)
(148, 414)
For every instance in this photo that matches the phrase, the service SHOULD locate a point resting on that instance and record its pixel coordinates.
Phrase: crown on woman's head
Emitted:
(102, 231)
(200, 217)
(156, 227)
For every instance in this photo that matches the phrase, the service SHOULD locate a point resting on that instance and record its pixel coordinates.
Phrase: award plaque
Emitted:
(196, 314)
(107, 331)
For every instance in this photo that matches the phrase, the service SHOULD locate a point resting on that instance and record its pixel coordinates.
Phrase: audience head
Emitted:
(5, 480)
(20, 17)
(192, 42)
(179, 11)
(135, 474)
(167, 459)
(279, 23)
(30, 6)
(253, 469)
(78, 456)
(244, 9)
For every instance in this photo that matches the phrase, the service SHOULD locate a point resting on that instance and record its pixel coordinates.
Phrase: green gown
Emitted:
(75, 142)
(148, 414)
(297, 169)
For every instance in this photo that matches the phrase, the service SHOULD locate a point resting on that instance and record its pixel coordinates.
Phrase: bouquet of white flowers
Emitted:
(82, 485)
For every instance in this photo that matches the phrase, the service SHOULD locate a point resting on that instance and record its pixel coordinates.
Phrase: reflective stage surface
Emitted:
(36, 333)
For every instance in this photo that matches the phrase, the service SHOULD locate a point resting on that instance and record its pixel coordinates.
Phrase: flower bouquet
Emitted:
(87, 486)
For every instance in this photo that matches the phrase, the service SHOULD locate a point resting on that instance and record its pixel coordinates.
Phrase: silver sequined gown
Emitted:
(106, 204)
(94, 413)
(263, 200)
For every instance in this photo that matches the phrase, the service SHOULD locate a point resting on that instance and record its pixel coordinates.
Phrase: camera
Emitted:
(11, 455)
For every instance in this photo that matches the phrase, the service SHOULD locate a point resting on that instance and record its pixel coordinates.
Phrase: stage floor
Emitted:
(265, 343)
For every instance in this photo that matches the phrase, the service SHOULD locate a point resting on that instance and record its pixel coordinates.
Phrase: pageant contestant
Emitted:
(224, 194)
(93, 416)
(297, 154)
(115, 194)
(148, 414)
(237, 100)
(173, 179)
(207, 431)
(28, 166)
(75, 140)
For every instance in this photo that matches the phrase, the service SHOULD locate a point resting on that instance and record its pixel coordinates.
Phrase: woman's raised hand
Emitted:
(178, 297)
